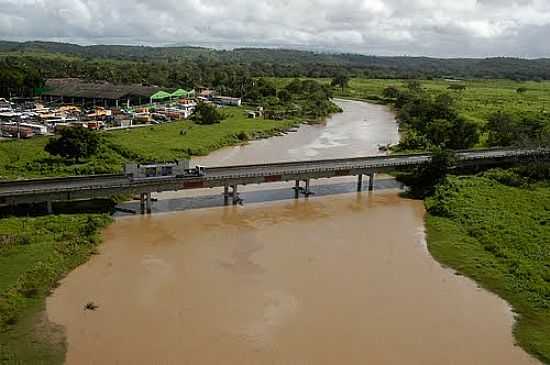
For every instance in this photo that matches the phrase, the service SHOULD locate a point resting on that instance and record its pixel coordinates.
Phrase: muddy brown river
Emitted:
(342, 278)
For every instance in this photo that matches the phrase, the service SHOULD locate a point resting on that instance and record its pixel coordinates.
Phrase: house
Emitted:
(227, 100)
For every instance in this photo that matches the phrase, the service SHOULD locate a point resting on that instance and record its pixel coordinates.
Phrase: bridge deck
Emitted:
(107, 185)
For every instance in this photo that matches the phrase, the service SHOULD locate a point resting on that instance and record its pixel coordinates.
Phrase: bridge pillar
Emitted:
(226, 195)
(49, 207)
(371, 181)
(148, 203)
(307, 191)
(297, 189)
(142, 203)
(235, 191)
(360, 183)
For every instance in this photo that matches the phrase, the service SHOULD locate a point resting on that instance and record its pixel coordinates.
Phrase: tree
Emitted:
(340, 80)
(284, 96)
(391, 92)
(207, 114)
(425, 178)
(74, 143)
(457, 133)
(501, 127)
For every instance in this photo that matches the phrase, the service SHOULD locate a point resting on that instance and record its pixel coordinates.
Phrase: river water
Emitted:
(341, 278)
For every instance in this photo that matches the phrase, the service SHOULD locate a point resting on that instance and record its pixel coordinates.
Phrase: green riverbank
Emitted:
(34, 254)
(499, 236)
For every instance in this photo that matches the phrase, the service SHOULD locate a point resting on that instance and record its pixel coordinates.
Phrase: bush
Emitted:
(207, 114)
(74, 143)
(506, 177)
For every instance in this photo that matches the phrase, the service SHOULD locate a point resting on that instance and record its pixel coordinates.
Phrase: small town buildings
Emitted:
(5, 106)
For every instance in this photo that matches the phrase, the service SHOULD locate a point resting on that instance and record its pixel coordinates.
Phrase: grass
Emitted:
(27, 158)
(500, 237)
(183, 139)
(34, 254)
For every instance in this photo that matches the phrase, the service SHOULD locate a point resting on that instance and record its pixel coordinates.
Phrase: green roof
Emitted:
(161, 95)
(179, 93)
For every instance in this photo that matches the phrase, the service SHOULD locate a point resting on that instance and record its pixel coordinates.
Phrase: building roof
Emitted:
(79, 88)
(180, 92)
(161, 95)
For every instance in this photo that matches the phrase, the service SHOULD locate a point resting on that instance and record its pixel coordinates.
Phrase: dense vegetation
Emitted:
(499, 236)
(23, 66)
(432, 121)
(305, 98)
(34, 254)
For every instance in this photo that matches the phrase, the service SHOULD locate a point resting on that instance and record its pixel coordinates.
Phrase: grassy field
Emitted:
(34, 254)
(500, 237)
(181, 139)
(27, 158)
(480, 99)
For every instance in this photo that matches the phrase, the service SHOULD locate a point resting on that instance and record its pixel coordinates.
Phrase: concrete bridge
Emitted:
(106, 186)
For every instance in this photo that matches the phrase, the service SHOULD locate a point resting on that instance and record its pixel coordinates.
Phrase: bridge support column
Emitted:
(142, 203)
(49, 207)
(307, 191)
(235, 191)
(371, 181)
(226, 195)
(148, 203)
(297, 189)
(360, 183)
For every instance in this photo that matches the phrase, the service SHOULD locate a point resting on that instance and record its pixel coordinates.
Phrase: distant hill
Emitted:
(299, 61)
(24, 67)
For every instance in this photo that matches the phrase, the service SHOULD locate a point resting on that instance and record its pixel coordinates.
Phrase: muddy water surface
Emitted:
(341, 279)
(356, 132)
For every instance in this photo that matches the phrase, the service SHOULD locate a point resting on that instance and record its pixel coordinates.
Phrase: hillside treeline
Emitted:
(24, 66)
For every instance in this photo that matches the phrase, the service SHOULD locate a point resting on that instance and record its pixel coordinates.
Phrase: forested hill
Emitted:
(285, 62)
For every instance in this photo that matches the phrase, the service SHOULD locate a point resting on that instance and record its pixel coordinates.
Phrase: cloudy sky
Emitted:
(443, 28)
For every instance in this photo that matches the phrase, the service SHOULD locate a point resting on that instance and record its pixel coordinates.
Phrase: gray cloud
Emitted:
(447, 28)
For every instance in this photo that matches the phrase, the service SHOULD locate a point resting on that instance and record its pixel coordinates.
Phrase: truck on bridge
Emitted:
(178, 169)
